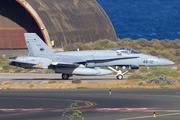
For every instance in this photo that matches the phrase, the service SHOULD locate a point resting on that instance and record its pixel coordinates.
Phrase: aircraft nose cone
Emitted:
(164, 62)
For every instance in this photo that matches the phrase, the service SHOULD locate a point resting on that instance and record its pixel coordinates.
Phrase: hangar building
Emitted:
(63, 21)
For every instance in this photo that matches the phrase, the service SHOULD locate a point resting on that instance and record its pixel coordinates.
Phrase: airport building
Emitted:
(61, 21)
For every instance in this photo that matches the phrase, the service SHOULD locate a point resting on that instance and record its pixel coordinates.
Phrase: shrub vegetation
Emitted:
(162, 80)
(76, 80)
(168, 49)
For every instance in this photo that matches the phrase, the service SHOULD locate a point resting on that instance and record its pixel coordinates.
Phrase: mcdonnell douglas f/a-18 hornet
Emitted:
(86, 63)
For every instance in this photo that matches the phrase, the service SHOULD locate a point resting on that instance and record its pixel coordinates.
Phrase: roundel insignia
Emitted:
(40, 64)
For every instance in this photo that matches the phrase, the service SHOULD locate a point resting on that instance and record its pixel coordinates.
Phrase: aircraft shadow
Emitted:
(37, 79)
(69, 79)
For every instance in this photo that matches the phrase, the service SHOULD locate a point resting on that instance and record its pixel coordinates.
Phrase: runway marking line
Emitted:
(172, 111)
(116, 109)
(26, 109)
(88, 104)
(149, 116)
(18, 113)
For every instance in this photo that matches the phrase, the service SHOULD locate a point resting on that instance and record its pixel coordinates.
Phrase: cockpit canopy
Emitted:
(125, 50)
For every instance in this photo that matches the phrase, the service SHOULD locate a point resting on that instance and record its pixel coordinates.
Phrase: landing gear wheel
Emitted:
(119, 73)
(65, 76)
(119, 77)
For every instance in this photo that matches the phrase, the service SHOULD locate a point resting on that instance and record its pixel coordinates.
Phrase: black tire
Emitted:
(65, 76)
(119, 77)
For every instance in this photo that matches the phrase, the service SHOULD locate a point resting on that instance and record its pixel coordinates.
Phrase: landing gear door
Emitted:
(90, 62)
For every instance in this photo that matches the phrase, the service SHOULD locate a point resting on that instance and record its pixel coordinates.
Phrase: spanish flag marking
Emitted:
(40, 64)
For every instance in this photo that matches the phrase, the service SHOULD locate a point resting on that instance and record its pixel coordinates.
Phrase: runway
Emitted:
(97, 104)
(30, 77)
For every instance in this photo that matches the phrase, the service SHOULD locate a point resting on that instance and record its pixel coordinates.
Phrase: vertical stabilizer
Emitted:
(36, 46)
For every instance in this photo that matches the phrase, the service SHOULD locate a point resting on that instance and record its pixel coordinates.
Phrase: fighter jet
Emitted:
(85, 63)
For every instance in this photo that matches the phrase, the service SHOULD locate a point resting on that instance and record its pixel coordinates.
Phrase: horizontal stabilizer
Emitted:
(18, 61)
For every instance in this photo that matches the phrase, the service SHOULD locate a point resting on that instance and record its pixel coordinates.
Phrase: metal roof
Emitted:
(64, 21)
(69, 21)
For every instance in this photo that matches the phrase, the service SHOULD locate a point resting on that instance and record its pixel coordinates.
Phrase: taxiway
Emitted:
(97, 104)
(30, 77)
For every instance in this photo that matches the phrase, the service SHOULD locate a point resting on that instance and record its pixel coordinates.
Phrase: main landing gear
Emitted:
(119, 73)
(66, 76)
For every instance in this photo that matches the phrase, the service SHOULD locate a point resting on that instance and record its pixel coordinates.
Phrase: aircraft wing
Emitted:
(113, 58)
(18, 61)
(70, 60)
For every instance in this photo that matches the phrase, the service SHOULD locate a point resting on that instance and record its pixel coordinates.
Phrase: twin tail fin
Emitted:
(36, 46)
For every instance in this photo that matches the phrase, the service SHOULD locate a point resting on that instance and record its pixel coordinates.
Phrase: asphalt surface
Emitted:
(164, 102)
(13, 52)
(30, 77)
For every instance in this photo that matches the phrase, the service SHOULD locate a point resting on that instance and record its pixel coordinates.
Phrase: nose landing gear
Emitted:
(119, 77)
(119, 74)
